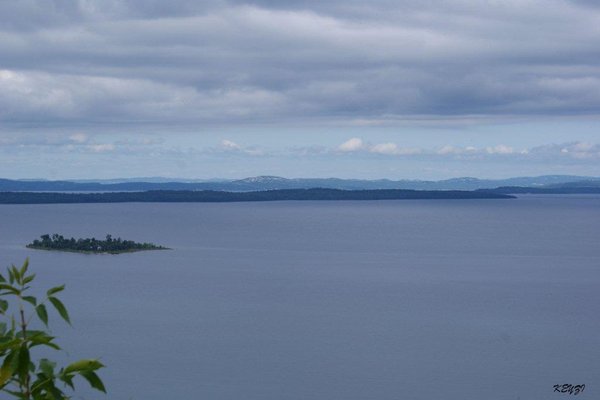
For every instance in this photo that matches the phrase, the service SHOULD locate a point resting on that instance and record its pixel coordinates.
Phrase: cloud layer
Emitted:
(570, 152)
(576, 152)
(76, 62)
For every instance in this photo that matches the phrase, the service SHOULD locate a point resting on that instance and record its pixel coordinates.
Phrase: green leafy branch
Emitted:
(20, 376)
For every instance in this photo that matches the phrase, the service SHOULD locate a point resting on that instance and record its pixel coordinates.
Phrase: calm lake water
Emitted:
(434, 299)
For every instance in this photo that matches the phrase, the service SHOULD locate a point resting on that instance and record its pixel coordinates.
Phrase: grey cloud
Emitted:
(233, 62)
(32, 96)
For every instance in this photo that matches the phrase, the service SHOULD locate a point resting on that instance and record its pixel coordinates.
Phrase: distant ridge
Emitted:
(274, 183)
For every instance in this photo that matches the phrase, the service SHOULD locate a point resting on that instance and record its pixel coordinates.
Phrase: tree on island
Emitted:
(90, 245)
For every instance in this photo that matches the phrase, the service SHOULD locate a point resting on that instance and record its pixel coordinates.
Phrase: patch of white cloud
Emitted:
(447, 150)
(393, 149)
(500, 149)
(101, 148)
(79, 137)
(556, 152)
(454, 150)
(230, 146)
(77, 142)
(351, 145)
(358, 145)
(384, 148)
(582, 151)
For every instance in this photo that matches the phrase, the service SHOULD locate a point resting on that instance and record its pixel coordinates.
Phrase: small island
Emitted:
(90, 245)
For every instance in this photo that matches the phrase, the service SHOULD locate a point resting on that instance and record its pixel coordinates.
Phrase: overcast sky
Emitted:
(367, 89)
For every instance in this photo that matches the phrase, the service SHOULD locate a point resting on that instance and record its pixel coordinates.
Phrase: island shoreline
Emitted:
(95, 252)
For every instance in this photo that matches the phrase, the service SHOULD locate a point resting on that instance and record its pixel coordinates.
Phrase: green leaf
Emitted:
(10, 288)
(41, 338)
(3, 306)
(46, 343)
(94, 380)
(42, 313)
(28, 279)
(45, 389)
(54, 290)
(23, 367)
(23, 269)
(11, 276)
(9, 366)
(60, 308)
(67, 379)
(5, 345)
(47, 367)
(83, 365)
(16, 275)
(57, 393)
(30, 299)
(31, 334)
(2, 278)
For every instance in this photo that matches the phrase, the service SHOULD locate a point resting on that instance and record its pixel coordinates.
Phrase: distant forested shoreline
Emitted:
(209, 196)
(90, 245)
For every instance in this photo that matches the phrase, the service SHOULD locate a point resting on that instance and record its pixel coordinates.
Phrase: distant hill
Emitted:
(274, 183)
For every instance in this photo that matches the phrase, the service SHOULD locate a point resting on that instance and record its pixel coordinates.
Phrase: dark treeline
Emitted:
(217, 196)
(544, 190)
(91, 245)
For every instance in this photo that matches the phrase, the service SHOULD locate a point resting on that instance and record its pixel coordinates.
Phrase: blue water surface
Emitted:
(428, 299)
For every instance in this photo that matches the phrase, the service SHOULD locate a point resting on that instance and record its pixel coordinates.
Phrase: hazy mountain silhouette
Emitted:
(273, 182)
